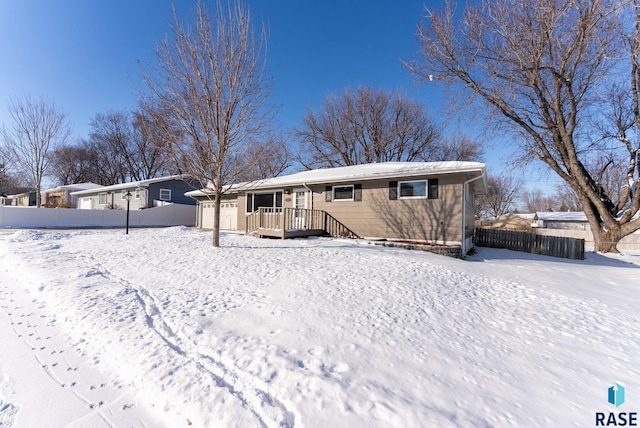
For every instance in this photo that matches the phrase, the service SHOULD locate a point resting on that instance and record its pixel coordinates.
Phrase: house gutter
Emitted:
(464, 211)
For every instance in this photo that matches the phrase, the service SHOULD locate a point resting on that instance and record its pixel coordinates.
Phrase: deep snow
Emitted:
(157, 328)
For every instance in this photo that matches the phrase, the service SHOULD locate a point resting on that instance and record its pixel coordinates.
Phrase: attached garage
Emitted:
(228, 215)
(85, 204)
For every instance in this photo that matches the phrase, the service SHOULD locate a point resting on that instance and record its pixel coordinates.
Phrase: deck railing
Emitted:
(292, 220)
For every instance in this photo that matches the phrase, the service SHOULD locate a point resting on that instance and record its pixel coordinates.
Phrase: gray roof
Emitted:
(130, 185)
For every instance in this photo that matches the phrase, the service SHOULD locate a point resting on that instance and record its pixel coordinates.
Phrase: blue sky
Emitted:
(83, 54)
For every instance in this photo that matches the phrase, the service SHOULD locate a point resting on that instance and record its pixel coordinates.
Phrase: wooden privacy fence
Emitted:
(556, 246)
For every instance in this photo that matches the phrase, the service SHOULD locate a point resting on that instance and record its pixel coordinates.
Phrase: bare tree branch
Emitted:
(210, 90)
(367, 125)
(39, 128)
(540, 68)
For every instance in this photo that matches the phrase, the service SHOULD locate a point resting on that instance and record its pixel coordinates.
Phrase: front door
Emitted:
(300, 205)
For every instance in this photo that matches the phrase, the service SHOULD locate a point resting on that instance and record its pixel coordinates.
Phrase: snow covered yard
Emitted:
(157, 328)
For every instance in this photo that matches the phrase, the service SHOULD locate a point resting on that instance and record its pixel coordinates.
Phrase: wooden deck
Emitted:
(294, 223)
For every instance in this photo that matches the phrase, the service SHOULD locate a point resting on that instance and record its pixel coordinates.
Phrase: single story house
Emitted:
(418, 201)
(568, 220)
(61, 196)
(25, 199)
(8, 200)
(144, 194)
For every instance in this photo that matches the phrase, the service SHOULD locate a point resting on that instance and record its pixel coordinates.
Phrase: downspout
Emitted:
(464, 213)
(198, 212)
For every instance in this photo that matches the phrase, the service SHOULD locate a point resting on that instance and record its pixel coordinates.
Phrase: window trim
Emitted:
(137, 193)
(160, 195)
(251, 195)
(333, 193)
(104, 195)
(426, 189)
(429, 183)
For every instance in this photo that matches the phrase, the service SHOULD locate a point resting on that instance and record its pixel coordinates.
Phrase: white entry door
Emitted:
(300, 204)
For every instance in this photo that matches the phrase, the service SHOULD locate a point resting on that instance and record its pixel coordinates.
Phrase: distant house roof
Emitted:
(132, 184)
(561, 216)
(371, 171)
(526, 216)
(74, 187)
(512, 221)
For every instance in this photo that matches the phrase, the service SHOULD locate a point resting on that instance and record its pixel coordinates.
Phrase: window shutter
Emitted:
(433, 188)
(357, 192)
(393, 190)
(249, 197)
(328, 193)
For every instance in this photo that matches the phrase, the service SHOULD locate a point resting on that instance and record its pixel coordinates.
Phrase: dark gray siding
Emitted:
(178, 189)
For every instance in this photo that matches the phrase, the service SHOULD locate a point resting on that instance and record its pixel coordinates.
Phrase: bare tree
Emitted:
(566, 199)
(501, 195)
(535, 200)
(71, 164)
(120, 147)
(150, 148)
(263, 159)
(458, 147)
(539, 69)
(10, 183)
(210, 86)
(112, 137)
(39, 127)
(364, 126)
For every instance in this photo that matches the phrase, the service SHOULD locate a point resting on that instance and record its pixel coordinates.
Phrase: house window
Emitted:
(423, 189)
(343, 193)
(165, 194)
(123, 195)
(263, 199)
(413, 189)
(138, 193)
(102, 199)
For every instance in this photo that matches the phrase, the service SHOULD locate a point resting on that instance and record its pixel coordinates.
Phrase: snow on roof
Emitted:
(562, 216)
(371, 171)
(74, 187)
(525, 216)
(141, 183)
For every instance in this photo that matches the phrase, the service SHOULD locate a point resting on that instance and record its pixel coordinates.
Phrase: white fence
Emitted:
(63, 218)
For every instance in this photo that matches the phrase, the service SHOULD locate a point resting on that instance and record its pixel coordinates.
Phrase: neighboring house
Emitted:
(570, 220)
(26, 199)
(61, 195)
(144, 194)
(8, 200)
(511, 221)
(417, 201)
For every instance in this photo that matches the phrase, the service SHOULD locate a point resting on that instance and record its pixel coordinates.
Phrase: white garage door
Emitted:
(228, 215)
(85, 204)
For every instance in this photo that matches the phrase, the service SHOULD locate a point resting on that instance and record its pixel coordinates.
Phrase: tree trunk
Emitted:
(216, 222)
(606, 241)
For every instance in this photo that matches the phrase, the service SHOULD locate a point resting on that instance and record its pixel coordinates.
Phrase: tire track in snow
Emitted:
(249, 390)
